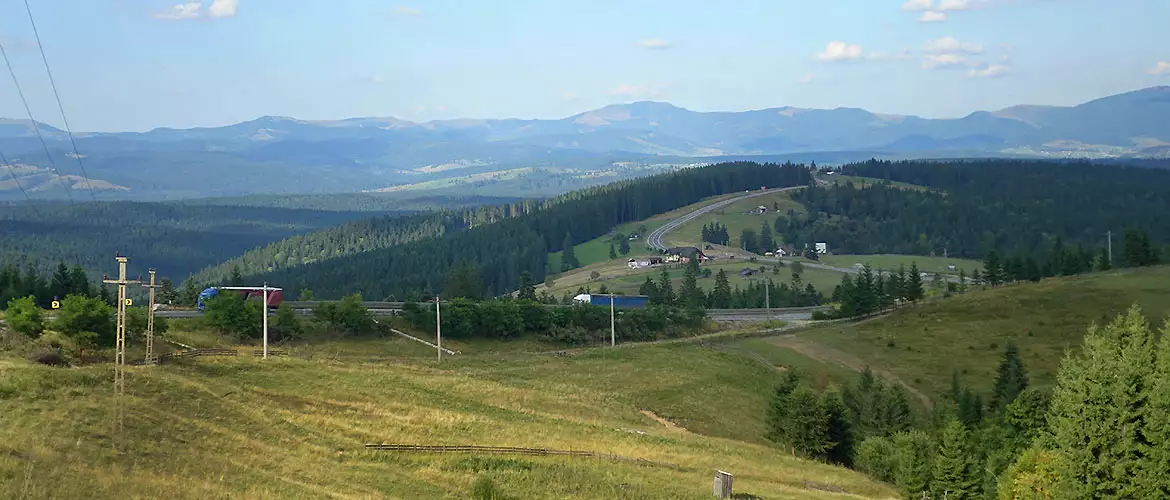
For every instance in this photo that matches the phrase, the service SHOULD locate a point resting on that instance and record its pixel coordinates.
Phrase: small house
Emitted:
(769, 254)
(684, 254)
(822, 248)
(786, 251)
(760, 210)
(747, 271)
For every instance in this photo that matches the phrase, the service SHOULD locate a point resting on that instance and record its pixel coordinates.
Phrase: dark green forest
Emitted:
(504, 241)
(175, 239)
(1015, 207)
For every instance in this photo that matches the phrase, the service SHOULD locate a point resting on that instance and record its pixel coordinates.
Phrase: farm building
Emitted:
(619, 301)
(685, 254)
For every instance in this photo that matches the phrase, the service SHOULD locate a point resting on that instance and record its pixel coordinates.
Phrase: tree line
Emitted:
(503, 243)
(1103, 431)
(973, 207)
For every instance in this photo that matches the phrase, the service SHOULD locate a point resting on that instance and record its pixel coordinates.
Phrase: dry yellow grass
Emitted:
(294, 428)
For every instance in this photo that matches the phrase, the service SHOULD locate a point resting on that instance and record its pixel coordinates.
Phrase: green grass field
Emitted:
(923, 344)
(736, 217)
(891, 262)
(294, 427)
(620, 278)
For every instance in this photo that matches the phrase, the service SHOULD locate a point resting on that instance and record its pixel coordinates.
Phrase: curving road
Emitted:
(654, 239)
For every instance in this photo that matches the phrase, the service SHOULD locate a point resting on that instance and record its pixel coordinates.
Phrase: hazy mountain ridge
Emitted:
(276, 155)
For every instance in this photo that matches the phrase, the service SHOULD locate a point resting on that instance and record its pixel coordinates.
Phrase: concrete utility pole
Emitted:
(1110, 246)
(612, 324)
(768, 298)
(264, 311)
(150, 359)
(120, 344)
(438, 331)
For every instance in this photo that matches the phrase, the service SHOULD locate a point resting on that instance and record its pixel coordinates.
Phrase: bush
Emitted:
(23, 316)
(230, 313)
(80, 316)
(346, 315)
(876, 456)
(136, 319)
(49, 357)
(485, 489)
(288, 325)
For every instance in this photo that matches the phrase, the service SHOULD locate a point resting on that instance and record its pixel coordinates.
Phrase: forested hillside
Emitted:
(524, 234)
(1015, 207)
(175, 239)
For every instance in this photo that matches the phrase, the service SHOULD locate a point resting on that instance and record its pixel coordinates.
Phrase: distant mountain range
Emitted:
(286, 155)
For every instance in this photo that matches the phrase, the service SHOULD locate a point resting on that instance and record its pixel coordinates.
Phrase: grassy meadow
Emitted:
(922, 344)
(293, 427)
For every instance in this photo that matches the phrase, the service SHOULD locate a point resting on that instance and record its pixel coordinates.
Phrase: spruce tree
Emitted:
(1154, 471)
(665, 289)
(781, 405)
(79, 282)
(839, 431)
(236, 278)
(60, 284)
(955, 473)
(807, 427)
(992, 269)
(1010, 380)
(568, 255)
(624, 246)
(649, 289)
(915, 452)
(612, 252)
(766, 242)
(689, 293)
(721, 293)
(914, 290)
(1100, 410)
(527, 289)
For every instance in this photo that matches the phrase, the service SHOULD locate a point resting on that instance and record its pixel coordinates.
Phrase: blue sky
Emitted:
(140, 64)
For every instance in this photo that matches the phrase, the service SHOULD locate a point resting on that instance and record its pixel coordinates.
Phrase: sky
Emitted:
(134, 65)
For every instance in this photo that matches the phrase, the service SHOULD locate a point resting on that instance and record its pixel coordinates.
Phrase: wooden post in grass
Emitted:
(723, 484)
(438, 331)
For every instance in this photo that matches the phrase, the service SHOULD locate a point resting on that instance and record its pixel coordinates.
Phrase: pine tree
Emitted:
(914, 290)
(624, 246)
(962, 280)
(568, 255)
(166, 292)
(1099, 412)
(79, 282)
(899, 284)
(612, 252)
(807, 426)
(1152, 473)
(992, 269)
(1101, 263)
(649, 289)
(236, 279)
(60, 284)
(839, 431)
(105, 295)
(780, 408)
(915, 451)
(721, 293)
(665, 289)
(1010, 380)
(1032, 270)
(527, 290)
(689, 293)
(748, 241)
(766, 242)
(955, 473)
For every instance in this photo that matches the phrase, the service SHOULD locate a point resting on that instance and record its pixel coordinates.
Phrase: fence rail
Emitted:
(417, 448)
(192, 353)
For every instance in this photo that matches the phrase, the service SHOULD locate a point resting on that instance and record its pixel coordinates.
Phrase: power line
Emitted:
(53, 84)
(17, 181)
(36, 126)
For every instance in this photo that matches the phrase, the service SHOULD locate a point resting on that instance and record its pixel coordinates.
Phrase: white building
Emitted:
(822, 248)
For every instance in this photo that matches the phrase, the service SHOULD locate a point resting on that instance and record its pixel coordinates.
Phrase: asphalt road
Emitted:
(654, 239)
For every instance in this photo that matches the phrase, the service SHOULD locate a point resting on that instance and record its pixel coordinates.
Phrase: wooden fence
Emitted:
(416, 448)
(192, 353)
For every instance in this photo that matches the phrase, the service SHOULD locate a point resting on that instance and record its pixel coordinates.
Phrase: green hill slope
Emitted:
(922, 344)
(294, 428)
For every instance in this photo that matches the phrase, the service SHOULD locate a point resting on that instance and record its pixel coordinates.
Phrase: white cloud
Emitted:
(1162, 68)
(988, 71)
(945, 61)
(654, 44)
(951, 45)
(637, 91)
(945, 5)
(932, 16)
(407, 11)
(917, 5)
(806, 80)
(189, 10)
(222, 8)
(841, 51)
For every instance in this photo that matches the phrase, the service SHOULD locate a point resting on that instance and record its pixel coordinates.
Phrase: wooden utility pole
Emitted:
(150, 358)
(264, 311)
(1110, 245)
(120, 344)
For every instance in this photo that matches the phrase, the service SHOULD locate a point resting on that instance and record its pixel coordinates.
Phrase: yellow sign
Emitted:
(56, 304)
(129, 302)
